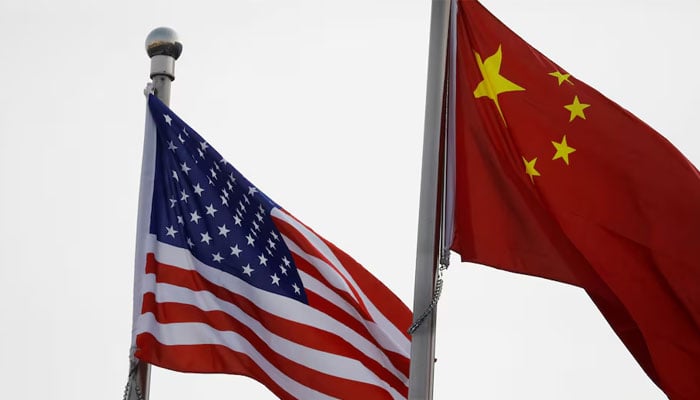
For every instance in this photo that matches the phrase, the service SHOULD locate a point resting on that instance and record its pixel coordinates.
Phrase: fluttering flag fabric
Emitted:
(227, 281)
(550, 178)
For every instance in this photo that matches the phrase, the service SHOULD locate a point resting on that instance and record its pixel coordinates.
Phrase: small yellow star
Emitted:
(561, 77)
(563, 150)
(530, 168)
(576, 108)
(494, 83)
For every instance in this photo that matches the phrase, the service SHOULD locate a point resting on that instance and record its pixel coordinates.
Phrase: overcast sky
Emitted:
(321, 105)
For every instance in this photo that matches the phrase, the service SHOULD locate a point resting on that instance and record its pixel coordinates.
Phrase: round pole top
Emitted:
(163, 41)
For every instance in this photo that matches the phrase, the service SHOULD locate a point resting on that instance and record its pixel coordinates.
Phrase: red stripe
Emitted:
(399, 361)
(176, 312)
(382, 297)
(194, 281)
(324, 383)
(328, 307)
(299, 333)
(355, 300)
(189, 359)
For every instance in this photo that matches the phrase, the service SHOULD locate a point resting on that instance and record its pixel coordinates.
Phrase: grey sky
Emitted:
(320, 103)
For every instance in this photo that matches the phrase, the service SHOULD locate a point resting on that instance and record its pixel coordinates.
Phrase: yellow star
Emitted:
(576, 108)
(561, 77)
(494, 83)
(563, 150)
(530, 168)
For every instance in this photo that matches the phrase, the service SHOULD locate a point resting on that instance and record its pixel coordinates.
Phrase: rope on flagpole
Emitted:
(444, 264)
(132, 378)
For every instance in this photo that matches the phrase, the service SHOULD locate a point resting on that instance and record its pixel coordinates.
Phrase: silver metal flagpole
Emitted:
(427, 253)
(163, 47)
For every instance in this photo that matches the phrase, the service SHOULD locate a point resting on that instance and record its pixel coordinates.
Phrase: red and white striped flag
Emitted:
(227, 281)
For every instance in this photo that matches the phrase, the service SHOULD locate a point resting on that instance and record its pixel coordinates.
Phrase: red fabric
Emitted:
(621, 219)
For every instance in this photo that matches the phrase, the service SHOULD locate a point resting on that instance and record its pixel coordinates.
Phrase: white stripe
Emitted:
(329, 363)
(392, 339)
(312, 284)
(272, 303)
(389, 336)
(198, 333)
(325, 269)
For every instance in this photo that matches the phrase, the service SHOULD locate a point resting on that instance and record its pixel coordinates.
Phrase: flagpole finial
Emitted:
(163, 41)
(163, 47)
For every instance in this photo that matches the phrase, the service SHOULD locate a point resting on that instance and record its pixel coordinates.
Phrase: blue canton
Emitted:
(203, 204)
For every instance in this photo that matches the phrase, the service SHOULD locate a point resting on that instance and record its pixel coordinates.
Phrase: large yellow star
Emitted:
(494, 83)
(576, 108)
(561, 77)
(563, 150)
(530, 168)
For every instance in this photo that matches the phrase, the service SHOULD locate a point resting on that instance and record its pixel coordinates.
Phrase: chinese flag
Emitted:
(554, 180)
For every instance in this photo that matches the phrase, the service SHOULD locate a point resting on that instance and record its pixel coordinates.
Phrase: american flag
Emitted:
(227, 281)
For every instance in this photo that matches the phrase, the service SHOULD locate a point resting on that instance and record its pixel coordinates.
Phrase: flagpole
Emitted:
(429, 225)
(163, 48)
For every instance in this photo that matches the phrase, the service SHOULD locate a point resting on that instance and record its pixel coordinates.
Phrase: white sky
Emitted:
(321, 104)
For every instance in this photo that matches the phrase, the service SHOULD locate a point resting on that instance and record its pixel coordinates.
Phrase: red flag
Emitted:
(554, 180)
